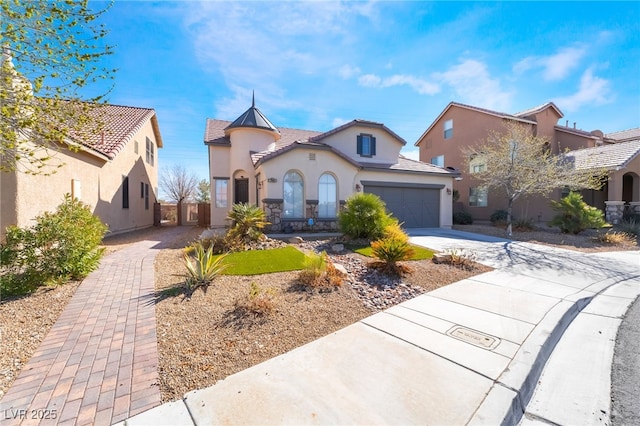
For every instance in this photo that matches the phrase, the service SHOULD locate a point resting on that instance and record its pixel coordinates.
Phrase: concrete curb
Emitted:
(523, 372)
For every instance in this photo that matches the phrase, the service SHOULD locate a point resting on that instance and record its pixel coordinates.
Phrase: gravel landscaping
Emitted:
(209, 336)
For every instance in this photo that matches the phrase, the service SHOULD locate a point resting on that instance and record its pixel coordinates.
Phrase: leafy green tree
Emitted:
(517, 163)
(203, 194)
(51, 55)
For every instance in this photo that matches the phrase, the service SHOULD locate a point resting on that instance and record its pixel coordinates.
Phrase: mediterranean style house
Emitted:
(459, 126)
(115, 173)
(301, 178)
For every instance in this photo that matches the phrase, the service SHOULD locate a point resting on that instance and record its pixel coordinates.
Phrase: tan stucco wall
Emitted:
(100, 184)
(311, 170)
(219, 167)
(387, 147)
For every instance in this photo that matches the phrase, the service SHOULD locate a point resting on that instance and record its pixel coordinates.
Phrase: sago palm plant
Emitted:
(248, 222)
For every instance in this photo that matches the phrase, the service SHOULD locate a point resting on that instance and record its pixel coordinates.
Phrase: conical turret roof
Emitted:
(252, 118)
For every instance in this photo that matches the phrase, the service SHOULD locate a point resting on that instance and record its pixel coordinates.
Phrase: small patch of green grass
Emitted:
(255, 262)
(419, 252)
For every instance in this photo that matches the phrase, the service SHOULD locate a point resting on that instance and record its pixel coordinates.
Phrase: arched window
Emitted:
(327, 196)
(293, 191)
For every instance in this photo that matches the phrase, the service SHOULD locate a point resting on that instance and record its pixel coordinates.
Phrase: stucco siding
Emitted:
(94, 181)
(387, 147)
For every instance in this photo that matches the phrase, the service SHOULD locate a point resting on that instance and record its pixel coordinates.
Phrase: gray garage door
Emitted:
(417, 205)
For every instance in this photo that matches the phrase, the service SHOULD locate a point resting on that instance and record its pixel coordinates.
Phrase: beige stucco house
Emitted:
(301, 178)
(459, 126)
(115, 173)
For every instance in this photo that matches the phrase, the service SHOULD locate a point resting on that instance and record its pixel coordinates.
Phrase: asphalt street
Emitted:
(625, 371)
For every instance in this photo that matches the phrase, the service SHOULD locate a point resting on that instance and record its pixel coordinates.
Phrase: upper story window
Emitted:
(477, 164)
(327, 196)
(150, 152)
(448, 129)
(293, 195)
(366, 145)
(438, 161)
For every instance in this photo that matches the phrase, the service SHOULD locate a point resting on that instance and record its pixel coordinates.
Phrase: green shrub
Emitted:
(62, 245)
(202, 267)
(523, 225)
(389, 252)
(394, 231)
(364, 216)
(630, 226)
(574, 215)
(248, 222)
(314, 266)
(462, 218)
(499, 217)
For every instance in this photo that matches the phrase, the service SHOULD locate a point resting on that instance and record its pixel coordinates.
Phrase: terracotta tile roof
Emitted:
(120, 124)
(214, 134)
(612, 156)
(405, 164)
(624, 135)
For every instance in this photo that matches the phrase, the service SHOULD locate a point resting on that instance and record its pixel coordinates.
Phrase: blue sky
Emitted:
(316, 65)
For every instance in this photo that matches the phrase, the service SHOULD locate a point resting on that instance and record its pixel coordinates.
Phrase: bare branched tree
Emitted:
(178, 183)
(516, 163)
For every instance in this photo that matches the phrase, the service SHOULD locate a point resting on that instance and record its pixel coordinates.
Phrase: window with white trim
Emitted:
(293, 195)
(438, 161)
(221, 187)
(150, 152)
(448, 129)
(327, 196)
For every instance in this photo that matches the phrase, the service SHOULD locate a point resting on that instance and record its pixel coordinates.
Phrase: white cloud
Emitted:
(419, 85)
(554, 67)
(337, 122)
(592, 91)
(412, 153)
(347, 71)
(473, 84)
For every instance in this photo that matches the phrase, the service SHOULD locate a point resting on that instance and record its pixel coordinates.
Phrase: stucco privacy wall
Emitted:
(95, 181)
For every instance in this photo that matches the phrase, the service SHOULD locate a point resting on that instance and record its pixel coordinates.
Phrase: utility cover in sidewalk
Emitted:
(474, 337)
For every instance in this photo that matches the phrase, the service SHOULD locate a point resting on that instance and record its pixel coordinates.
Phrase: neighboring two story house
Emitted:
(460, 126)
(302, 178)
(115, 173)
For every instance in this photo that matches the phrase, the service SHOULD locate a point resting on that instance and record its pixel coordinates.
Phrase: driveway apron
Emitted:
(98, 363)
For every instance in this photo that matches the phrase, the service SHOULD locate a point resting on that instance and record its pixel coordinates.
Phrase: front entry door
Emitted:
(241, 191)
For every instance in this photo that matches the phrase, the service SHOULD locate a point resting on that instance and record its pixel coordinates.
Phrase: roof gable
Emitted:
(475, 109)
(359, 123)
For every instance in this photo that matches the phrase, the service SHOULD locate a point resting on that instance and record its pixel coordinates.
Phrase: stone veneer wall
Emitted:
(273, 211)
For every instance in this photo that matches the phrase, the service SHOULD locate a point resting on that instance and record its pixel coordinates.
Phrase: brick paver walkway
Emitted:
(98, 364)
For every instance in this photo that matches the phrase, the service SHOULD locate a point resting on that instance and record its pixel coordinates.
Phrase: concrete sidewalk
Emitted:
(468, 353)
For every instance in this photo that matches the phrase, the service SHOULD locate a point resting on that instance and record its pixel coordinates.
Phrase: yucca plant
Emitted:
(389, 252)
(248, 222)
(202, 267)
